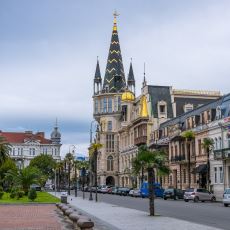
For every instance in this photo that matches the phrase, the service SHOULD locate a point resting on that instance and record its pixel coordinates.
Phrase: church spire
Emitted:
(131, 80)
(114, 80)
(144, 83)
(97, 78)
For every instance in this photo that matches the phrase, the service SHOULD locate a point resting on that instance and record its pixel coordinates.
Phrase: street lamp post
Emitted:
(90, 162)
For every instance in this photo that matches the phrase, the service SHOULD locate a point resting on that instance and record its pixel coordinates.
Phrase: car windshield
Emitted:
(227, 191)
(190, 190)
(169, 190)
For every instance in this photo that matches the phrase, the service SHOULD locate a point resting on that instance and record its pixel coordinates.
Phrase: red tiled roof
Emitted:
(18, 138)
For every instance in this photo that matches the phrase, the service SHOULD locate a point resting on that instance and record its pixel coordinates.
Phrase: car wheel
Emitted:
(185, 200)
(165, 198)
(213, 199)
(196, 199)
(176, 198)
(225, 205)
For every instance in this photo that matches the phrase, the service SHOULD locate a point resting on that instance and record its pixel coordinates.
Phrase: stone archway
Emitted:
(110, 181)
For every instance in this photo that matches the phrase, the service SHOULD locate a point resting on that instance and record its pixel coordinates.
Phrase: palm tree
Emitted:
(69, 158)
(207, 145)
(24, 178)
(189, 137)
(93, 152)
(150, 161)
(4, 150)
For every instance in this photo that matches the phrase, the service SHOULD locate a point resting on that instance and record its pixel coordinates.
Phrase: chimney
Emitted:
(40, 134)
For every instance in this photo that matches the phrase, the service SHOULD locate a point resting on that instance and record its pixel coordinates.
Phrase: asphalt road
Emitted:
(211, 214)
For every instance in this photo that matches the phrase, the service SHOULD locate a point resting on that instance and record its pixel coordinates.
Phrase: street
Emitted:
(210, 214)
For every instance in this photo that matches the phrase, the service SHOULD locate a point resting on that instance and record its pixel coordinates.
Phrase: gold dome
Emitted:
(127, 96)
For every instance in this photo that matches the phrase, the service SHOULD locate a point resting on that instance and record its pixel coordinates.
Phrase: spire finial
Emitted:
(115, 15)
(144, 80)
(56, 122)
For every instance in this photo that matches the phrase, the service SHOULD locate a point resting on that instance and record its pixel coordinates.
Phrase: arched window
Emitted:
(216, 143)
(110, 163)
(220, 143)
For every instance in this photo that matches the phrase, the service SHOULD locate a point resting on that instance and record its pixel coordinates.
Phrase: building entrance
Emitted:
(110, 181)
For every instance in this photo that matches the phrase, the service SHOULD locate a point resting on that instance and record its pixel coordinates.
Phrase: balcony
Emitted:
(222, 154)
(178, 158)
(140, 140)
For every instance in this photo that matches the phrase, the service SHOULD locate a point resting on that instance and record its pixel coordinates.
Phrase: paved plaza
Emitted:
(31, 217)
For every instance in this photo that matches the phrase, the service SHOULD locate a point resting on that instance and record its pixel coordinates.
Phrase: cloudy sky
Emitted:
(48, 51)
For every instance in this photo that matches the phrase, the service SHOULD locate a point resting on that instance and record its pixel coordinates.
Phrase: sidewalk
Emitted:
(114, 217)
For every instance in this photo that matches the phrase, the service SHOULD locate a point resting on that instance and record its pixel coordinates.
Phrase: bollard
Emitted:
(75, 217)
(85, 224)
(69, 211)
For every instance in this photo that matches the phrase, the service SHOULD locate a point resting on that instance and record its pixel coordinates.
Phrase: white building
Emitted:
(27, 145)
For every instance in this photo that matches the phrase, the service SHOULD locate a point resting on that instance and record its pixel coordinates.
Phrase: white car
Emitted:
(226, 197)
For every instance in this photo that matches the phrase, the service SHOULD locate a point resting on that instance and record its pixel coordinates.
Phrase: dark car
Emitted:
(114, 190)
(36, 187)
(173, 193)
(123, 191)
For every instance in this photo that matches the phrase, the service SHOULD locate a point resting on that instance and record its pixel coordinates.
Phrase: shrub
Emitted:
(19, 194)
(1, 192)
(12, 194)
(32, 195)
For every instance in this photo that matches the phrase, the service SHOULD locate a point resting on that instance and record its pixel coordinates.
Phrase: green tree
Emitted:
(32, 195)
(45, 163)
(4, 150)
(24, 177)
(93, 152)
(207, 145)
(150, 161)
(189, 137)
(9, 164)
(69, 158)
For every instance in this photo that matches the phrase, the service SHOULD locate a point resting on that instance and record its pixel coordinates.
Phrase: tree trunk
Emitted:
(151, 191)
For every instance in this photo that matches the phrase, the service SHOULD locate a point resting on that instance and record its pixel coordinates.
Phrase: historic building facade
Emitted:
(127, 121)
(191, 165)
(27, 145)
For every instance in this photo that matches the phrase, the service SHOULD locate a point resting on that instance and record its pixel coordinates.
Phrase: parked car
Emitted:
(131, 192)
(114, 190)
(36, 187)
(105, 189)
(226, 197)
(157, 189)
(198, 194)
(136, 193)
(100, 188)
(173, 193)
(123, 191)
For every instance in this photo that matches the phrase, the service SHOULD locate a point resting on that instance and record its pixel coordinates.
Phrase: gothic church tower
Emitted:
(107, 110)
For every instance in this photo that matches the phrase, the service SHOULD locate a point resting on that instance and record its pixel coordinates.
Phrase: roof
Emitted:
(97, 76)
(196, 92)
(20, 137)
(212, 105)
(160, 93)
(114, 74)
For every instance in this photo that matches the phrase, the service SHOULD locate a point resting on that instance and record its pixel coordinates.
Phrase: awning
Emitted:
(200, 169)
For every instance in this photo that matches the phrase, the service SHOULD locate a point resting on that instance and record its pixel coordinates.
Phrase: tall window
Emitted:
(110, 142)
(105, 105)
(119, 103)
(221, 175)
(215, 175)
(101, 105)
(110, 126)
(96, 106)
(115, 104)
(199, 147)
(184, 172)
(110, 163)
(110, 105)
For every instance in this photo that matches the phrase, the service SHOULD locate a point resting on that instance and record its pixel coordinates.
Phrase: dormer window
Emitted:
(188, 107)
(218, 113)
(107, 88)
(162, 109)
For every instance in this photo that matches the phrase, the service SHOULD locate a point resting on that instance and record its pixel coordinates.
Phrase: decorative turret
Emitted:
(131, 80)
(56, 135)
(114, 80)
(97, 79)
(144, 83)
